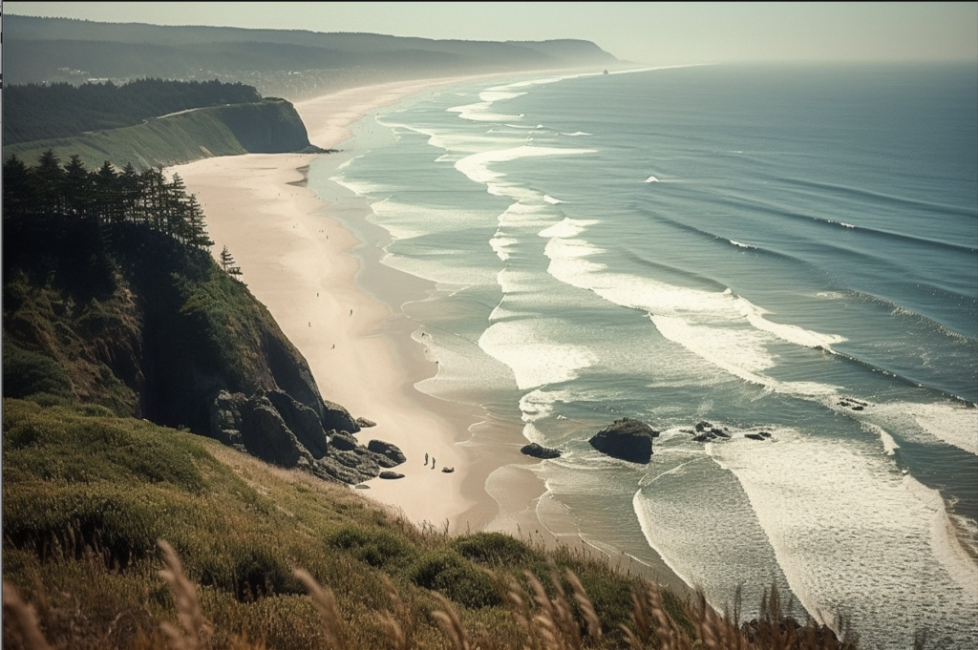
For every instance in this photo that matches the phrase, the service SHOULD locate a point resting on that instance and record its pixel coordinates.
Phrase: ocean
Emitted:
(786, 250)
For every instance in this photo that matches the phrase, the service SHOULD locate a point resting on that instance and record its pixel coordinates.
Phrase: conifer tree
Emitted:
(227, 263)
(77, 189)
(18, 195)
(48, 181)
(129, 188)
(196, 231)
(107, 196)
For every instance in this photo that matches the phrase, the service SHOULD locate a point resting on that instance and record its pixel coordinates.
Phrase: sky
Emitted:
(643, 32)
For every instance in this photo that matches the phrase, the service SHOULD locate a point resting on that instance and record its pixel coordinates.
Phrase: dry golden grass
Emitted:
(20, 621)
(194, 631)
(564, 621)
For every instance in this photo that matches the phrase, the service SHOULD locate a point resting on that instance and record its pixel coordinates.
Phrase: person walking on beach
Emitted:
(426, 459)
(432, 462)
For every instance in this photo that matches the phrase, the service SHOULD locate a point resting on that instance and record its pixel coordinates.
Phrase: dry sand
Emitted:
(298, 261)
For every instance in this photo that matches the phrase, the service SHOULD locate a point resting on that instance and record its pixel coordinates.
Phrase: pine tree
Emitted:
(77, 188)
(48, 182)
(129, 187)
(18, 191)
(227, 263)
(107, 197)
(196, 231)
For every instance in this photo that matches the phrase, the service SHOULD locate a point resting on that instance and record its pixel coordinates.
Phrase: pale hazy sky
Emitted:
(645, 32)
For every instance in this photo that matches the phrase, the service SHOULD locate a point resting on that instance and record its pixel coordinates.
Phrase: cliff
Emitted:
(268, 126)
(129, 318)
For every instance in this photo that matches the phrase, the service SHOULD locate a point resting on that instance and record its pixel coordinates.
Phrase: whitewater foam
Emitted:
(523, 345)
(828, 519)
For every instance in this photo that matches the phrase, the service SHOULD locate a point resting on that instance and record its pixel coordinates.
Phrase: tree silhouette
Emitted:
(227, 263)
(72, 194)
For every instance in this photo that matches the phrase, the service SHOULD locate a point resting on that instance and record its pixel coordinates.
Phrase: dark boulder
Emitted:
(364, 423)
(387, 474)
(538, 451)
(302, 421)
(342, 440)
(265, 434)
(337, 417)
(626, 439)
(225, 418)
(254, 424)
(388, 451)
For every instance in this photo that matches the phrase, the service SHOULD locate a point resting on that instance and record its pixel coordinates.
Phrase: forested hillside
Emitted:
(41, 111)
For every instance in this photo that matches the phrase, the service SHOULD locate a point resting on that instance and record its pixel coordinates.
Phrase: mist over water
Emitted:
(786, 250)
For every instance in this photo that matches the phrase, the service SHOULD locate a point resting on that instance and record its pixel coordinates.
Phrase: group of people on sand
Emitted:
(446, 470)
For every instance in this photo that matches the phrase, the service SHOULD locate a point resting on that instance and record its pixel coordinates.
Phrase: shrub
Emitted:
(378, 548)
(452, 575)
(28, 373)
(495, 549)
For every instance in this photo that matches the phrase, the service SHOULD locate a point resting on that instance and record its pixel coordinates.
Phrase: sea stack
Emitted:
(626, 439)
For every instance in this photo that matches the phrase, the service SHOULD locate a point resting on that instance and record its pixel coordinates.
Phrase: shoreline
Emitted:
(299, 261)
(303, 264)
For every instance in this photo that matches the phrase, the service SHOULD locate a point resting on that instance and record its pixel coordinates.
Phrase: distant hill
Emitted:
(288, 63)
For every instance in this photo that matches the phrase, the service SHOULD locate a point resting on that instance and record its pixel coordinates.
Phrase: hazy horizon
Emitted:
(649, 33)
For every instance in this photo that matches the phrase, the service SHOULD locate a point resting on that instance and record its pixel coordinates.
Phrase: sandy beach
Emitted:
(364, 353)
(299, 263)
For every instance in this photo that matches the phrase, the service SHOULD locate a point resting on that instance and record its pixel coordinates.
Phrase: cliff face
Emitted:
(268, 126)
(154, 329)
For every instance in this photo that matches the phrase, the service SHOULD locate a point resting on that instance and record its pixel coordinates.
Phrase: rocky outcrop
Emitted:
(539, 451)
(391, 452)
(278, 429)
(705, 432)
(342, 441)
(852, 403)
(626, 439)
(302, 421)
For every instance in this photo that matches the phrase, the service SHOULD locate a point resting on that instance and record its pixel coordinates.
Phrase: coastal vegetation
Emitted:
(108, 276)
(43, 111)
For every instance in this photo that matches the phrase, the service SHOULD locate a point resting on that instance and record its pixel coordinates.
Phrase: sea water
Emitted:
(787, 250)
